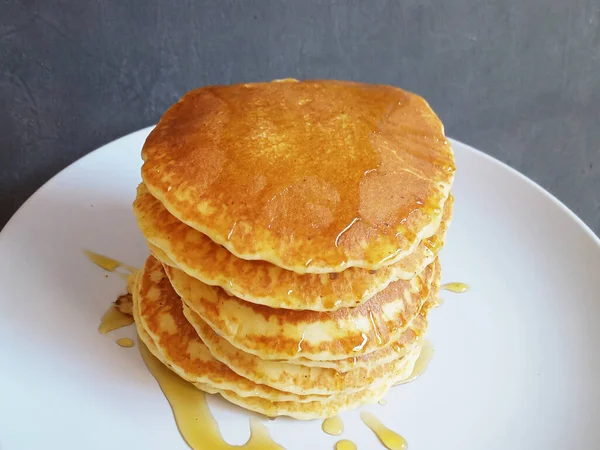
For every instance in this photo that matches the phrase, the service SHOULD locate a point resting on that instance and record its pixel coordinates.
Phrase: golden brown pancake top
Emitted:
(313, 176)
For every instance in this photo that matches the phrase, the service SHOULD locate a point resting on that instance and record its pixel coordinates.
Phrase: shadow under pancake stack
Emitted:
(294, 229)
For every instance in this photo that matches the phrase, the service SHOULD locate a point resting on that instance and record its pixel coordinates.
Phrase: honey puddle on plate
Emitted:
(194, 420)
(390, 439)
(422, 362)
(107, 263)
(114, 319)
(125, 342)
(333, 426)
(455, 287)
(345, 444)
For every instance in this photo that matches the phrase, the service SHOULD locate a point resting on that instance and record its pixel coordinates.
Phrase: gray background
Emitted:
(518, 79)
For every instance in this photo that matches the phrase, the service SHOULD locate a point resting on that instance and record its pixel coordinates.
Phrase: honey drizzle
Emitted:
(422, 362)
(455, 287)
(192, 415)
(125, 342)
(390, 439)
(114, 319)
(106, 263)
(345, 444)
(333, 426)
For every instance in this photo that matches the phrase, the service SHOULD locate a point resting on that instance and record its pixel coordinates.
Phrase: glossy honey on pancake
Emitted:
(395, 350)
(312, 176)
(297, 378)
(280, 334)
(260, 282)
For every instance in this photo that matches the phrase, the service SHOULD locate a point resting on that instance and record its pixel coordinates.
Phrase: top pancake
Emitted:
(313, 176)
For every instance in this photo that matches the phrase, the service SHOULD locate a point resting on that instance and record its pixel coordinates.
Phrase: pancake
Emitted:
(279, 334)
(161, 324)
(314, 176)
(294, 378)
(176, 244)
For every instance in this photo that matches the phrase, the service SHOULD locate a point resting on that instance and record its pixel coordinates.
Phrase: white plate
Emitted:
(516, 361)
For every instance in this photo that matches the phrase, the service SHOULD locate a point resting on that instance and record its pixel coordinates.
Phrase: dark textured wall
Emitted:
(517, 79)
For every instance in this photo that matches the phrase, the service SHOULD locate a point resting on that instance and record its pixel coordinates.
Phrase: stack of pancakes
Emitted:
(294, 229)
